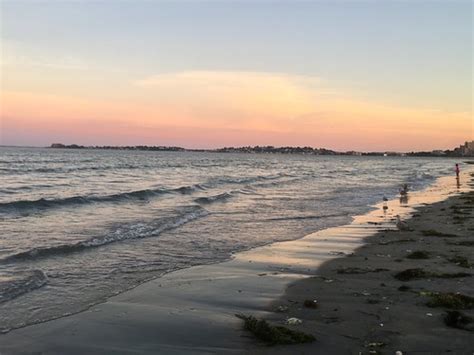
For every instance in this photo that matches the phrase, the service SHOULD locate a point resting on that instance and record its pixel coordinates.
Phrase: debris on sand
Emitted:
(375, 346)
(357, 270)
(274, 335)
(416, 274)
(311, 304)
(397, 241)
(419, 254)
(434, 233)
(451, 300)
(464, 243)
(411, 274)
(293, 321)
(456, 319)
(460, 261)
(404, 288)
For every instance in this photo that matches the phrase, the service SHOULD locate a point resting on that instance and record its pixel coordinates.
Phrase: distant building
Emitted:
(352, 152)
(465, 150)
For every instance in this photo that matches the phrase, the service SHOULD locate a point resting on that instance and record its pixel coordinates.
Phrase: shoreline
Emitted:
(155, 315)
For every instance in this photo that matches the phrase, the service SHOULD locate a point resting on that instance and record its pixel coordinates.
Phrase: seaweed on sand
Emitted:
(416, 274)
(373, 301)
(456, 319)
(451, 300)
(397, 241)
(411, 274)
(459, 211)
(357, 270)
(459, 219)
(419, 254)
(460, 261)
(274, 335)
(469, 198)
(435, 233)
(465, 243)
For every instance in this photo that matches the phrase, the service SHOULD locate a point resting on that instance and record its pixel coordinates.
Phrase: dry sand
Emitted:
(193, 310)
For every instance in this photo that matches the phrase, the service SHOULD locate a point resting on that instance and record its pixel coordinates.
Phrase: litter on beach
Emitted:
(293, 321)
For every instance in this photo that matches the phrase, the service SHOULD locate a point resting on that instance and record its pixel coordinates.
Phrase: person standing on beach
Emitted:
(457, 170)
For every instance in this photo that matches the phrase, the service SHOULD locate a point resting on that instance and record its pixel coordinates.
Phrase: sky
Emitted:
(344, 75)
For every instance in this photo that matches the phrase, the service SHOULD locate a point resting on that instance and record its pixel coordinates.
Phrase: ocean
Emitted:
(78, 226)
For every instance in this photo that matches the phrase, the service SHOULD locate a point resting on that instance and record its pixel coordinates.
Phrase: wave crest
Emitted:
(25, 206)
(132, 231)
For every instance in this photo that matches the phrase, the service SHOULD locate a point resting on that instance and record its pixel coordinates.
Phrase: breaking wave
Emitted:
(27, 206)
(140, 195)
(126, 232)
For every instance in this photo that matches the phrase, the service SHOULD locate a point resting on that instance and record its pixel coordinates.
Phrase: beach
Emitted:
(236, 177)
(349, 270)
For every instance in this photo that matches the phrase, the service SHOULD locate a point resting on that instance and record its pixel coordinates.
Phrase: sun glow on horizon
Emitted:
(210, 109)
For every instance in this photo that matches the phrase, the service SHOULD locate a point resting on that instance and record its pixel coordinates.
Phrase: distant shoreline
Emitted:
(455, 153)
(272, 150)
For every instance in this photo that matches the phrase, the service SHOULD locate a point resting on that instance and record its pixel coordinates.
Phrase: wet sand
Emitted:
(193, 310)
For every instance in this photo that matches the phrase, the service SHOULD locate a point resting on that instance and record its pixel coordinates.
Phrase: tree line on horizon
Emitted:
(464, 150)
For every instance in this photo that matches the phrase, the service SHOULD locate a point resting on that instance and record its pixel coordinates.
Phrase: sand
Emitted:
(193, 310)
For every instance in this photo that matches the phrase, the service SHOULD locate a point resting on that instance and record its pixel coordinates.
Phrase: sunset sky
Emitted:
(345, 75)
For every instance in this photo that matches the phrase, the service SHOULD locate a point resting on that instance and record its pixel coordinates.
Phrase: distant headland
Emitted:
(465, 150)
